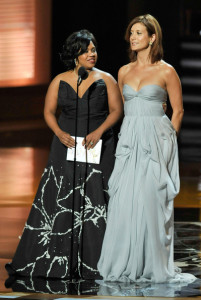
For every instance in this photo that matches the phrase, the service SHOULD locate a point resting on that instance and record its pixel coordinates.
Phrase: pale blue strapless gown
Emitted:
(138, 242)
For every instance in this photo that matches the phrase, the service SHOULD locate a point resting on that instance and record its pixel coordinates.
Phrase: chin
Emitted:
(91, 66)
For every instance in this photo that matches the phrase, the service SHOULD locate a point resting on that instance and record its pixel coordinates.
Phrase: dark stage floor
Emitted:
(21, 169)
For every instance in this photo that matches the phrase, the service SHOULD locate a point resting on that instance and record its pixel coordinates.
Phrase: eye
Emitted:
(138, 33)
(93, 50)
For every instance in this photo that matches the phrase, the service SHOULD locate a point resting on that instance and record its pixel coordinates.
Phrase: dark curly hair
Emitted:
(76, 44)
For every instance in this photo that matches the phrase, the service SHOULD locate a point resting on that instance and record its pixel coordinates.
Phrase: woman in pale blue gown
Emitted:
(138, 243)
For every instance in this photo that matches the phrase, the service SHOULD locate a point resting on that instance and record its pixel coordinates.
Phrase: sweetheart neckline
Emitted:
(86, 89)
(157, 85)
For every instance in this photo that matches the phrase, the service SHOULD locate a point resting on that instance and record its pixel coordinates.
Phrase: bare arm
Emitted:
(50, 111)
(121, 74)
(115, 111)
(174, 90)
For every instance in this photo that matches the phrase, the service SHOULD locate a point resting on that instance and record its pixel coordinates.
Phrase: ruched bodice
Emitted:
(144, 111)
(147, 101)
(138, 243)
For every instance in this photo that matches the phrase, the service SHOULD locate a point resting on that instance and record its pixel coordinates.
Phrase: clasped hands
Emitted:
(89, 141)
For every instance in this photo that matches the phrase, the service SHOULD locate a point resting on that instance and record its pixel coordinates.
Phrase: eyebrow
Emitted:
(135, 30)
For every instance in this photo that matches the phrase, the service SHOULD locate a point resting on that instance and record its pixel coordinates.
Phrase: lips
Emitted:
(92, 60)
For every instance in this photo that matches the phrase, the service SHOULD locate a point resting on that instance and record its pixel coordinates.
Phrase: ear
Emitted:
(153, 38)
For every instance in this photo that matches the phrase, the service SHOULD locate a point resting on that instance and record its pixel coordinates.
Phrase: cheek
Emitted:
(82, 58)
(144, 40)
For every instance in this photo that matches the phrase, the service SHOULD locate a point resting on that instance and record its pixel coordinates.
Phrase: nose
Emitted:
(91, 53)
(132, 36)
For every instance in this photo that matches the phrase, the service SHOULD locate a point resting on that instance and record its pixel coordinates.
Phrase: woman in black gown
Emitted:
(63, 235)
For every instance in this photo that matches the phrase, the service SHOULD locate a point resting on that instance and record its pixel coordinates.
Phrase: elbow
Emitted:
(48, 112)
(118, 113)
(45, 114)
(179, 113)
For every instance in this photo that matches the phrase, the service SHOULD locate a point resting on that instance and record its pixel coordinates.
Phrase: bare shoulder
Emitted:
(125, 69)
(107, 77)
(56, 80)
(168, 69)
(61, 77)
(170, 76)
(53, 88)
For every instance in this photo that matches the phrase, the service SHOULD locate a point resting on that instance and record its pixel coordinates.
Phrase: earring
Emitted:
(75, 61)
(150, 43)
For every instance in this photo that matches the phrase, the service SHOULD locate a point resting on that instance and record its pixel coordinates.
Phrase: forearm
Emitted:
(176, 120)
(111, 120)
(52, 122)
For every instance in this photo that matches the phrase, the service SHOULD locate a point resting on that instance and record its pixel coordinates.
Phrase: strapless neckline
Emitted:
(90, 86)
(145, 86)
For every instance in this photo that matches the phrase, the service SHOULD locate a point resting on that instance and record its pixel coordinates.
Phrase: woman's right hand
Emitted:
(164, 104)
(66, 139)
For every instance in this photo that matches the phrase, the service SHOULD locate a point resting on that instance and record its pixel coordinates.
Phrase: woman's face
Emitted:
(139, 38)
(89, 58)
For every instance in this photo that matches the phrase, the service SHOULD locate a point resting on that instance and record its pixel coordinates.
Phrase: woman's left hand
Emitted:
(92, 139)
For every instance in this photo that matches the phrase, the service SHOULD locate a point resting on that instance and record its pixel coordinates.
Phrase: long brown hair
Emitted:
(153, 27)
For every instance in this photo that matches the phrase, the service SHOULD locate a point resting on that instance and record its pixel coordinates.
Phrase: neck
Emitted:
(143, 58)
(77, 68)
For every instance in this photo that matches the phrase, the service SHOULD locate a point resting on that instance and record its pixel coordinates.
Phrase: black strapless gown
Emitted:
(62, 238)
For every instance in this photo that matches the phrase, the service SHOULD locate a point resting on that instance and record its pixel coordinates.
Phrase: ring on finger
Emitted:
(91, 143)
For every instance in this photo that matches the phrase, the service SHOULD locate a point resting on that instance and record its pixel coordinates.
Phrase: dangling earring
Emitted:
(75, 61)
(150, 43)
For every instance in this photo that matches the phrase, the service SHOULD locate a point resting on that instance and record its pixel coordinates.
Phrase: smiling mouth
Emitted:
(92, 60)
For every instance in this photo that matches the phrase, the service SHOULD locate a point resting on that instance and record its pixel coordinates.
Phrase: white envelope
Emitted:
(84, 155)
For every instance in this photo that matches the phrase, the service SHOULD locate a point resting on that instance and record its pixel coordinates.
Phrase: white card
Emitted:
(84, 155)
